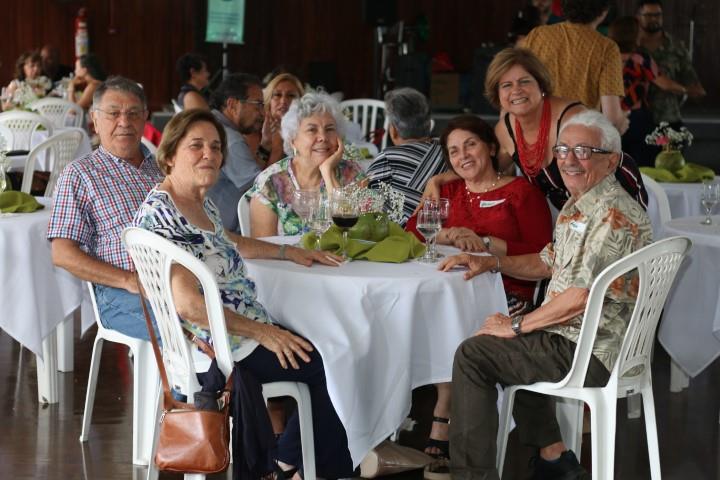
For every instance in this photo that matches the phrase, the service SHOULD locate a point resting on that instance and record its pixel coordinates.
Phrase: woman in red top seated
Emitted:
(489, 212)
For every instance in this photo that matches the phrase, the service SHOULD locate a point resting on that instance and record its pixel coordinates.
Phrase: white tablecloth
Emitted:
(382, 329)
(690, 328)
(35, 296)
(684, 198)
(17, 162)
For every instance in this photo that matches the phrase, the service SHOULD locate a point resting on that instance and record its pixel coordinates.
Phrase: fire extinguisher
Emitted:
(81, 33)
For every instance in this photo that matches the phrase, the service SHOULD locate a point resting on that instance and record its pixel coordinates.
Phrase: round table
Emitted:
(382, 329)
(684, 198)
(35, 295)
(690, 328)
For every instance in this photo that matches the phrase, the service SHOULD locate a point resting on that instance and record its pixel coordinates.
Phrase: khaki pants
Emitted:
(483, 361)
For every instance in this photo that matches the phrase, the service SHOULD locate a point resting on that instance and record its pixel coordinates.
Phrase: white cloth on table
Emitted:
(17, 162)
(35, 295)
(690, 327)
(382, 329)
(684, 198)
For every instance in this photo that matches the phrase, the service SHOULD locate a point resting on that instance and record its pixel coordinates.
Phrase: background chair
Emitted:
(658, 204)
(244, 216)
(60, 112)
(176, 106)
(145, 385)
(657, 265)
(150, 146)
(365, 112)
(22, 125)
(154, 257)
(62, 148)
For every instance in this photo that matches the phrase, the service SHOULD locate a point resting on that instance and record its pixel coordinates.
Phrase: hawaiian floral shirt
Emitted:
(602, 226)
(159, 215)
(275, 186)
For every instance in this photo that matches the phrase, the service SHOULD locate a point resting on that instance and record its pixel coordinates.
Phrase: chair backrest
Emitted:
(365, 112)
(176, 106)
(658, 204)
(23, 125)
(62, 148)
(657, 264)
(150, 146)
(244, 216)
(60, 112)
(154, 258)
(7, 136)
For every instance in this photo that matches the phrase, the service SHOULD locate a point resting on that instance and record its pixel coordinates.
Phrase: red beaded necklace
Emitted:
(532, 156)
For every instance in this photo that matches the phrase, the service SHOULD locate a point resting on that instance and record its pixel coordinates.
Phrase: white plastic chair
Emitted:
(145, 385)
(7, 135)
(22, 125)
(658, 204)
(364, 111)
(62, 148)
(150, 146)
(176, 106)
(154, 257)
(657, 265)
(244, 217)
(60, 112)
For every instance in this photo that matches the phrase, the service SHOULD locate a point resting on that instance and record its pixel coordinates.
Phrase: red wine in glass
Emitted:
(345, 221)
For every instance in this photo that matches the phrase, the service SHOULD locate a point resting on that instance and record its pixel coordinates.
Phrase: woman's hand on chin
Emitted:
(284, 344)
(327, 167)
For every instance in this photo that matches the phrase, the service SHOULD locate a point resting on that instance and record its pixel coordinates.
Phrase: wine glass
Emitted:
(303, 203)
(345, 213)
(320, 220)
(709, 196)
(428, 224)
(443, 209)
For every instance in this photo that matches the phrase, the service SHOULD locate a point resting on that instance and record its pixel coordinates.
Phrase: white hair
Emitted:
(306, 106)
(609, 136)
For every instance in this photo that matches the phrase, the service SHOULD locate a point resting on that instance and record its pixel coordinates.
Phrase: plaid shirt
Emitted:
(97, 197)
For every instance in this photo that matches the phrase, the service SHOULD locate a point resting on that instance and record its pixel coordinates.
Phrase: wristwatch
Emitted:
(487, 242)
(516, 323)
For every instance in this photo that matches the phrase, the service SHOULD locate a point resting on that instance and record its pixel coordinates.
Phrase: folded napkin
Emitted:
(396, 246)
(18, 202)
(688, 173)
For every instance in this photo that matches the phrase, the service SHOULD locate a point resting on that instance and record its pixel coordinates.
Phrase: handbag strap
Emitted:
(169, 401)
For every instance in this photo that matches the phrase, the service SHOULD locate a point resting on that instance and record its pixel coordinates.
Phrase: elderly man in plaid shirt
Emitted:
(97, 197)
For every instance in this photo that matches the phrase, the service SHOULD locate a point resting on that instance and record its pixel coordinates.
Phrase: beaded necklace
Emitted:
(532, 156)
(476, 195)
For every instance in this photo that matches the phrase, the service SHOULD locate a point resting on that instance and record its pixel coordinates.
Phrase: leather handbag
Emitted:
(191, 440)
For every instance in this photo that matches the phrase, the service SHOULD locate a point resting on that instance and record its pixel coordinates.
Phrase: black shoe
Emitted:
(566, 468)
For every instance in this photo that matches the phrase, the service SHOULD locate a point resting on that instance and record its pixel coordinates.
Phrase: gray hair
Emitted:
(312, 103)
(119, 84)
(408, 111)
(609, 136)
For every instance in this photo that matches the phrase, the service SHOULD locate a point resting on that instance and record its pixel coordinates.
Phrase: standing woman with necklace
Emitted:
(520, 86)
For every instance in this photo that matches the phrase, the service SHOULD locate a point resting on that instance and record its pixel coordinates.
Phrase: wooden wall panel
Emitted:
(151, 34)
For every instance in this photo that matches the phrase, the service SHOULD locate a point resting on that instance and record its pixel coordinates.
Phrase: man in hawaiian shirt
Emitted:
(600, 224)
(674, 62)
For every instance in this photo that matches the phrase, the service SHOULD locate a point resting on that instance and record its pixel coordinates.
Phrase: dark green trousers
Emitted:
(483, 361)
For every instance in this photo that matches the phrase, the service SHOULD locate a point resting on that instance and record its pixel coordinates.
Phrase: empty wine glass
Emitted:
(320, 220)
(345, 213)
(303, 203)
(428, 224)
(709, 196)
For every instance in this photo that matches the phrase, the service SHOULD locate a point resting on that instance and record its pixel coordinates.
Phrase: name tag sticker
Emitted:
(579, 227)
(490, 203)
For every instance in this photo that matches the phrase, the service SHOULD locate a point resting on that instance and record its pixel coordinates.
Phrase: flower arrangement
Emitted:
(669, 138)
(381, 199)
(29, 90)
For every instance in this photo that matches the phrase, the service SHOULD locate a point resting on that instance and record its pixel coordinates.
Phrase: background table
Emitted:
(35, 296)
(690, 328)
(684, 198)
(17, 162)
(382, 329)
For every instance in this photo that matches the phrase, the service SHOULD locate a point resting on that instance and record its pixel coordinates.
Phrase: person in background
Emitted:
(51, 66)
(89, 74)
(639, 72)
(414, 157)
(674, 61)
(27, 70)
(598, 225)
(195, 77)
(238, 105)
(584, 65)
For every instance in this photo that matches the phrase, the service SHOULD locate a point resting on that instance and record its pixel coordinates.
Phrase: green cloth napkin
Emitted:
(18, 202)
(396, 246)
(689, 173)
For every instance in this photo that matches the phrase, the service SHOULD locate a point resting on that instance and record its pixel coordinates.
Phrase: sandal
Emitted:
(442, 445)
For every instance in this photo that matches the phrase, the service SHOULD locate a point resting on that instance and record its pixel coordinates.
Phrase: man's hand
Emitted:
(497, 325)
(269, 127)
(476, 264)
(307, 257)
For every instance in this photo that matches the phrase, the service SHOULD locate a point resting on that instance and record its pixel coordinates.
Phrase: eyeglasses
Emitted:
(114, 115)
(651, 15)
(582, 152)
(257, 103)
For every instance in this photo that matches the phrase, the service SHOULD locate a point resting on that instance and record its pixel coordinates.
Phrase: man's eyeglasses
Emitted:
(651, 15)
(582, 152)
(114, 115)
(257, 103)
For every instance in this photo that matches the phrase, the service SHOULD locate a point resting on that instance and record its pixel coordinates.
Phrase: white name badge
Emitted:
(490, 203)
(579, 227)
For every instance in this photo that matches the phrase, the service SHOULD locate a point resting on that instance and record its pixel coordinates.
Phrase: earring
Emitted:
(543, 94)
(295, 152)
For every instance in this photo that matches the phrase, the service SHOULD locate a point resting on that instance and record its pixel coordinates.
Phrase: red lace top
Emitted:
(517, 213)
